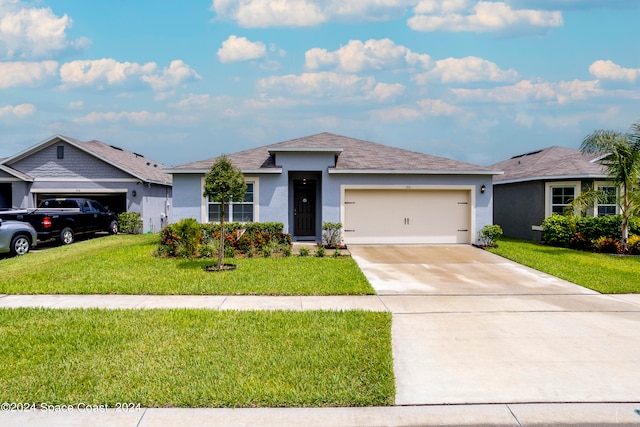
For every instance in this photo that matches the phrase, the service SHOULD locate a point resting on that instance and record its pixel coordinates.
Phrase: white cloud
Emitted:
(385, 91)
(306, 13)
(611, 71)
(193, 101)
(32, 33)
(111, 72)
(469, 69)
(99, 71)
(397, 114)
(526, 91)
(177, 73)
(140, 118)
(480, 16)
(236, 49)
(437, 107)
(21, 110)
(325, 84)
(25, 73)
(373, 54)
(270, 13)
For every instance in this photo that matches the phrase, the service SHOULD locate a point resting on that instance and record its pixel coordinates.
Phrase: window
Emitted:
(561, 197)
(608, 206)
(60, 151)
(239, 211)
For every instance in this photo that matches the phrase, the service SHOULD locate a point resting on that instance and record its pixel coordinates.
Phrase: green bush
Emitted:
(320, 252)
(304, 251)
(130, 222)
(332, 234)
(489, 235)
(187, 238)
(584, 233)
(557, 230)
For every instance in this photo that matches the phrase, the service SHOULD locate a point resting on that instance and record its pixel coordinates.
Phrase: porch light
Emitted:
(483, 188)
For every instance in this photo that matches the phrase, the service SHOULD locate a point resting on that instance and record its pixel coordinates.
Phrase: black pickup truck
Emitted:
(63, 218)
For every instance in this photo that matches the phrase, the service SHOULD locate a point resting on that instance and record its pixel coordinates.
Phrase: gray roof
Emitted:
(353, 155)
(549, 163)
(132, 163)
(11, 171)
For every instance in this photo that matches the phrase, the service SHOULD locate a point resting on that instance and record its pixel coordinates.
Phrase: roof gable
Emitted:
(129, 162)
(352, 156)
(550, 163)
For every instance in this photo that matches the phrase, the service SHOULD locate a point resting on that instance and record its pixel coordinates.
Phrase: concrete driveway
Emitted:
(472, 327)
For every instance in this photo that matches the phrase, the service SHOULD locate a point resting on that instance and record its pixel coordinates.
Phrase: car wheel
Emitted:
(66, 236)
(20, 245)
(113, 227)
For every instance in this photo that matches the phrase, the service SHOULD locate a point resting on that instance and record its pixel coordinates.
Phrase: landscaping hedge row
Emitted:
(190, 239)
(600, 233)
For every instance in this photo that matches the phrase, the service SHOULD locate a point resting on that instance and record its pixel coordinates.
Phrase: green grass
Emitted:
(196, 358)
(603, 273)
(125, 264)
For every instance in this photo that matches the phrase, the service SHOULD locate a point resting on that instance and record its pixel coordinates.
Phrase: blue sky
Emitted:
(477, 81)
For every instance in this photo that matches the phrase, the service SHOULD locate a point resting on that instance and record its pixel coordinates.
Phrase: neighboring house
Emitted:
(61, 166)
(537, 184)
(380, 194)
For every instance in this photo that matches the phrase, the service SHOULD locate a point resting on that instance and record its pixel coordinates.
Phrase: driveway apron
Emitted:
(472, 327)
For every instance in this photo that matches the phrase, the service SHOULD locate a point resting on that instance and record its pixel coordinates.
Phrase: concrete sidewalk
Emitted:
(507, 415)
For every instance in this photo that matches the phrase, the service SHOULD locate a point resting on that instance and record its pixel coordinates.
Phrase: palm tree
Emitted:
(223, 184)
(621, 159)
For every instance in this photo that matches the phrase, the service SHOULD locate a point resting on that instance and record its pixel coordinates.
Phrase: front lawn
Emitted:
(124, 264)
(609, 274)
(196, 358)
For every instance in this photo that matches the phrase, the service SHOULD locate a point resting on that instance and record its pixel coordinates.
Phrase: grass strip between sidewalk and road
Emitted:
(609, 274)
(125, 264)
(196, 358)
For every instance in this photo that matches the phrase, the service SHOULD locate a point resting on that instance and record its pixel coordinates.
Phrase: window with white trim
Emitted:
(239, 211)
(610, 205)
(561, 198)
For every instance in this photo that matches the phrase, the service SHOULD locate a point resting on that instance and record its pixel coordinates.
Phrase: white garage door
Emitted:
(407, 216)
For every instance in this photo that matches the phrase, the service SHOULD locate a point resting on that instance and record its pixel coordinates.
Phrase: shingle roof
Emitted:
(549, 163)
(11, 171)
(353, 155)
(132, 163)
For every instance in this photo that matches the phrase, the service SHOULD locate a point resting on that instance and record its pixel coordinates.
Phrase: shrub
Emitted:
(489, 234)
(320, 252)
(607, 245)
(183, 239)
(337, 253)
(130, 222)
(599, 226)
(229, 252)
(331, 234)
(304, 251)
(633, 245)
(286, 251)
(580, 242)
(249, 238)
(558, 230)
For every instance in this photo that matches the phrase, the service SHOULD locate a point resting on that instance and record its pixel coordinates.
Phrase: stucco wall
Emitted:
(187, 197)
(519, 206)
(275, 199)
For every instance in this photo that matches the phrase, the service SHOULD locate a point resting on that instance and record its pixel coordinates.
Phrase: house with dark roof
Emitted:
(537, 184)
(65, 167)
(380, 194)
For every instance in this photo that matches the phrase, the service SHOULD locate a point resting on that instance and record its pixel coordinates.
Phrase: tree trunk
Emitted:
(625, 219)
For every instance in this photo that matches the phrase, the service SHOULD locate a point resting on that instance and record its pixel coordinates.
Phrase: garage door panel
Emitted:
(407, 216)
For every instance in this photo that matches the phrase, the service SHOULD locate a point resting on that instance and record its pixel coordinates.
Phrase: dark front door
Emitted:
(304, 205)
